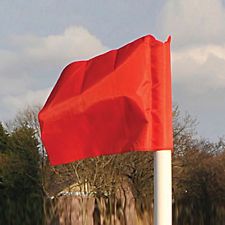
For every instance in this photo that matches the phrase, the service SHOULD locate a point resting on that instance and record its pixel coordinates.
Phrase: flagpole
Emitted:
(162, 188)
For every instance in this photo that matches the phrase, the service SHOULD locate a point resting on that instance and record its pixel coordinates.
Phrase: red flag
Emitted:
(116, 102)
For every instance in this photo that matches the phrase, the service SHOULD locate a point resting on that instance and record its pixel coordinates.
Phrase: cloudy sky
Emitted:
(39, 38)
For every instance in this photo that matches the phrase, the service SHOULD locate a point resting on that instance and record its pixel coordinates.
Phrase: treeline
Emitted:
(198, 176)
(21, 198)
(27, 182)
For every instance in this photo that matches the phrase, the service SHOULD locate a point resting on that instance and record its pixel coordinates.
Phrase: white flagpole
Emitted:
(162, 188)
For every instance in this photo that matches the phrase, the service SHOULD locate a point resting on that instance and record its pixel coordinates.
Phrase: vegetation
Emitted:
(20, 184)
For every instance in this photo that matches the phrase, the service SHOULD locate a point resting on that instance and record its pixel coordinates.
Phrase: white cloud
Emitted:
(200, 66)
(194, 21)
(199, 86)
(75, 42)
(200, 54)
(31, 64)
(30, 97)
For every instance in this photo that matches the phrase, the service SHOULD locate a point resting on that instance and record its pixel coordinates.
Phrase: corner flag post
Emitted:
(162, 188)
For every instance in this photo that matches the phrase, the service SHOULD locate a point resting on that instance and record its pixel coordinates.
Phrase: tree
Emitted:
(21, 192)
(3, 139)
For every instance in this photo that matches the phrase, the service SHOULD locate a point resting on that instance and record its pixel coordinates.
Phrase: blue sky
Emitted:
(39, 38)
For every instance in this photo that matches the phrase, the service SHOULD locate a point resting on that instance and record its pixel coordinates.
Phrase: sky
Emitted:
(39, 38)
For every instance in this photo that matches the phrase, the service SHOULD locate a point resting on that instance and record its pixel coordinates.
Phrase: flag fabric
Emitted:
(116, 102)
